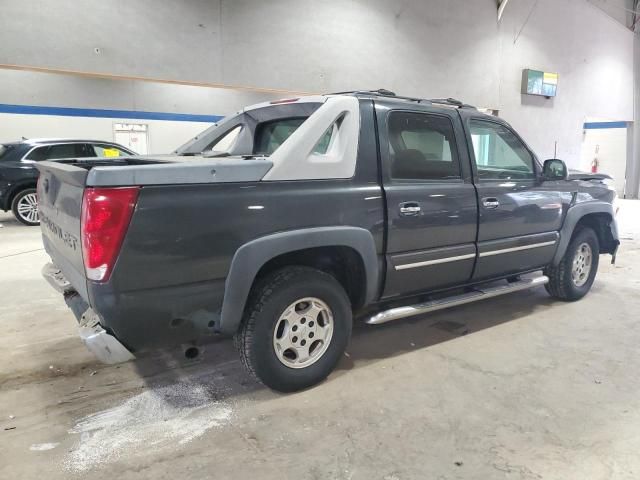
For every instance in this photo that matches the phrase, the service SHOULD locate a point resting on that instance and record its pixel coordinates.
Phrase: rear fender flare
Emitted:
(250, 257)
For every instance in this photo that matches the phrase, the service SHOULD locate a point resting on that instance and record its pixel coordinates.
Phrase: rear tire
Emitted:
(573, 277)
(25, 207)
(295, 329)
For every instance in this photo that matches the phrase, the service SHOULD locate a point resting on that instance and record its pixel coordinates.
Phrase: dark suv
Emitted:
(18, 174)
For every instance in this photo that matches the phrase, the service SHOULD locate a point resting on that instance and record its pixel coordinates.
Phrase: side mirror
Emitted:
(554, 169)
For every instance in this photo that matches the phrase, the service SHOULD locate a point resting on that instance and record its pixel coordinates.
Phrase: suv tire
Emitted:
(25, 207)
(296, 327)
(573, 277)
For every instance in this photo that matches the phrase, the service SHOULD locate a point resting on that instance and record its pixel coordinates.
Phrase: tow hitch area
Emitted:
(54, 276)
(104, 346)
(101, 343)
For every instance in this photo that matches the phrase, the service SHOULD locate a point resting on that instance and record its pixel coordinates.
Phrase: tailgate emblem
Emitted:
(67, 238)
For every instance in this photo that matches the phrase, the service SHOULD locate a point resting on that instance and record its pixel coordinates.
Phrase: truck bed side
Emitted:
(169, 278)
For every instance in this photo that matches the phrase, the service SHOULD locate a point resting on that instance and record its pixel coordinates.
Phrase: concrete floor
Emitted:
(518, 387)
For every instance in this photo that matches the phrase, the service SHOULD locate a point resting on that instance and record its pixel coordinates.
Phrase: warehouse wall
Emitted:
(183, 104)
(417, 47)
(593, 55)
(35, 88)
(164, 136)
(308, 45)
(618, 10)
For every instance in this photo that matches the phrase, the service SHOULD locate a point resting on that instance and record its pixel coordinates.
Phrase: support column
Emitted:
(502, 4)
(633, 163)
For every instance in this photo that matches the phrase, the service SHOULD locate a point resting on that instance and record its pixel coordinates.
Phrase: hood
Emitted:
(580, 175)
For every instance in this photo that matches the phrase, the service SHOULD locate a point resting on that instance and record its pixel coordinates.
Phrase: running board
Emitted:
(473, 296)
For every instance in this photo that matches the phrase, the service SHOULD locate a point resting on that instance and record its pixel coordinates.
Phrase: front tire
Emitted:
(295, 329)
(25, 207)
(573, 277)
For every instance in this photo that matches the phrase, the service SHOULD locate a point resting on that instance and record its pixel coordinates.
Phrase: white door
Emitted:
(133, 136)
(606, 147)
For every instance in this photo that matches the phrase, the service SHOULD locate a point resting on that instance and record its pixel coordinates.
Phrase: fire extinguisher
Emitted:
(595, 163)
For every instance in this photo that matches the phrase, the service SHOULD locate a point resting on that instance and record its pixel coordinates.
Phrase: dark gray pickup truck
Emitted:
(282, 223)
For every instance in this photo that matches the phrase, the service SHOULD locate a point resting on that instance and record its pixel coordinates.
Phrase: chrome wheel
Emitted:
(28, 208)
(303, 332)
(581, 266)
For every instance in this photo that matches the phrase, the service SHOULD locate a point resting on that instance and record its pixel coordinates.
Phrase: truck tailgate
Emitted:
(60, 190)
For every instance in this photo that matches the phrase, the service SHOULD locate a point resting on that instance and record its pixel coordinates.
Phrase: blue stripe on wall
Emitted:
(600, 125)
(103, 113)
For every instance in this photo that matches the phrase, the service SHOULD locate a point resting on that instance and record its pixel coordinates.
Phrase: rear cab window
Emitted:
(270, 135)
(255, 131)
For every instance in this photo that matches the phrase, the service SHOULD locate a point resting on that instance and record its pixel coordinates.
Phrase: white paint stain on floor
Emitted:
(156, 419)
(41, 447)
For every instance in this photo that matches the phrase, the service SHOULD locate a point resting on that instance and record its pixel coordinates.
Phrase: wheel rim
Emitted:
(303, 332)
(28, 208)
(581, 267)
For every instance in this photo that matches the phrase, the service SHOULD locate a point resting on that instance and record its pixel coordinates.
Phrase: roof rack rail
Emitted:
(382, 92)
(451, 101)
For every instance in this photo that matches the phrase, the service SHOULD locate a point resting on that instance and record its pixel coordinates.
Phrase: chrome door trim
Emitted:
(517, 249)
(435, 262)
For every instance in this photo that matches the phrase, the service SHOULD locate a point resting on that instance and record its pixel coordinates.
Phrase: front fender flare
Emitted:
(574, 215)
(250, 257)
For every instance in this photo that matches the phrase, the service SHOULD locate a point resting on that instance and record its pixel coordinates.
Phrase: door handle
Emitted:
(410, 209)
(490, 202)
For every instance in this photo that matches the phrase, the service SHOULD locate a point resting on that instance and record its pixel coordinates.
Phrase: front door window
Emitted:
(499, 153)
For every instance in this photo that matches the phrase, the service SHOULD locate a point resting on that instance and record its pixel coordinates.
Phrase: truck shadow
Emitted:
(371, 343)
(221, 373)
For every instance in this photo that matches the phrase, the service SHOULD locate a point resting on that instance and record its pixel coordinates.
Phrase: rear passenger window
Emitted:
(98, 150)
(61, 151)
(422, 147)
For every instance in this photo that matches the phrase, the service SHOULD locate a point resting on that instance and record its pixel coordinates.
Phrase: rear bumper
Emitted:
(106, 347)
(147, 319)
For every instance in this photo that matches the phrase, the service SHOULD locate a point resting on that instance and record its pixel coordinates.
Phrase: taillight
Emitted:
(106, 213)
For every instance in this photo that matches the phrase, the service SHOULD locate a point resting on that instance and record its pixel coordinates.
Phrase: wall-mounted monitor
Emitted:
(535, 82)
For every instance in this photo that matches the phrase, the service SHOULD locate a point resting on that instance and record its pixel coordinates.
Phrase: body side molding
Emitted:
(251, 256)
